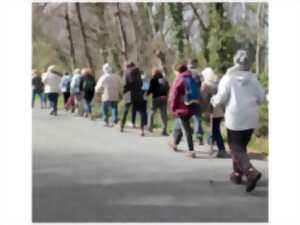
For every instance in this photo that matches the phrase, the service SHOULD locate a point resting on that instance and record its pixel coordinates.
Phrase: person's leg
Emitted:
(51, 102)
(177, 131)
(216, 134)
(55, 99)
(185, 122)
(151, 115)
(198, 130)
(125, 113)
(105, 110)
(40, 94)
(133, 115)
(33, 98)
(114, 111)
(164, 116)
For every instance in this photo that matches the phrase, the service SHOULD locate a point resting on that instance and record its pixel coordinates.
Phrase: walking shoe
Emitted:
(190, 154)
(164, 133)
(252, 177)
(236, 178)
(172, 146)
(222, 154)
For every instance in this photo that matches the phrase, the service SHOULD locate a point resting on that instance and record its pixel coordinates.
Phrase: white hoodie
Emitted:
(51, 81)
(241, 94)
(109, 85)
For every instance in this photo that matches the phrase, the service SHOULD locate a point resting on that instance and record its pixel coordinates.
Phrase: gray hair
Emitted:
(241, 58)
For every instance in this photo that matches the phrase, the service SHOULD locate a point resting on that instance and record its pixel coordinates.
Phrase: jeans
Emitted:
(126, 110)
(41, 96)
(114, 111)
(183, 122)
(53, 98)
(79, 103)
(216, 134)
(198, 130)
(238, 141)
(87, 105)
(160, 104)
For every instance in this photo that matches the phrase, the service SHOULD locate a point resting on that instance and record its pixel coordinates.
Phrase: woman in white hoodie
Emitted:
(241, 94)
(51, 81)
(110, 86)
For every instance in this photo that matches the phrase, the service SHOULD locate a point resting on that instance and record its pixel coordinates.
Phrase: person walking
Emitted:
(37, 88)
(88, 84)
(241, 94)
(198, 130)
(65, 86)
(76, 91)
(159, 88)
(208, 89)
(134, 85)
(184, 99)
(51, 81)
(110, 86)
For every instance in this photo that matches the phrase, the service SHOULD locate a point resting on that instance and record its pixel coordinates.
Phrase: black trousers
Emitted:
(238, 141)
(66, 97)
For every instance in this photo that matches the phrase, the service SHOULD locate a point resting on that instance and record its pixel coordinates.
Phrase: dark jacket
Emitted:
(134, 84)
(155, 87)
(37, 84)
(87, 85)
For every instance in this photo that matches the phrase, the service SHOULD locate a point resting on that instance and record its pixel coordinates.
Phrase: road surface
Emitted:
(84, 172)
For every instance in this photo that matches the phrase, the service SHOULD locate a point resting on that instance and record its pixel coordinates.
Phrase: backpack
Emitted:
(88, 85)
(66, 84)
(163, 86)
(192, 91)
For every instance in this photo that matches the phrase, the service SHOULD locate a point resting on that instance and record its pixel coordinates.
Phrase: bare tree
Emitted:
(118, 14)
(82, 29)
(70, 38)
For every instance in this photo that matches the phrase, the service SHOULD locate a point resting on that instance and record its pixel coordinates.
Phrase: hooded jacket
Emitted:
(51, 81)
(134, 84)
(241, 94)
(75, 82)
(109, 85)
(176, 97)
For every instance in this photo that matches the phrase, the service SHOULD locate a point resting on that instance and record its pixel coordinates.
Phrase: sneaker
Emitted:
(236, 178)
(190, 154)
(252, 177)
(172, 146)
(222, 154)
(164, 133)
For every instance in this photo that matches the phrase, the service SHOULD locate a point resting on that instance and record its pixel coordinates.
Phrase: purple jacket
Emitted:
(176, 97)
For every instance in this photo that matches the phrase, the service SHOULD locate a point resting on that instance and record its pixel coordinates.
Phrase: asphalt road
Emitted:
(84, 172)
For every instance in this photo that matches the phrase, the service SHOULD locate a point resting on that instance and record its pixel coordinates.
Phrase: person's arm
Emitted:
(259, 91)
(150, 90)
(223, 93)
(175, 95)
(99, 85)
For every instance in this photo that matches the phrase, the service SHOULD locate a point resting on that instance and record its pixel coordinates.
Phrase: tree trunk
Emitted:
(205, 35)
(123, 33)
(258, 39)
(103, 37)
(85, 44)
(70, 38)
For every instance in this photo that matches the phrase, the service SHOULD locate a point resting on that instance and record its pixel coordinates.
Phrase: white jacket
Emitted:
(51, 82)
(241, 94)
(110, 86)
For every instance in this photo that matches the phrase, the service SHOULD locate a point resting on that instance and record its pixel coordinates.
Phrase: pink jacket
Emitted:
(176, 97)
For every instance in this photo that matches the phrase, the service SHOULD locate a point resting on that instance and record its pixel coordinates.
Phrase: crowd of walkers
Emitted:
(194, 97)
